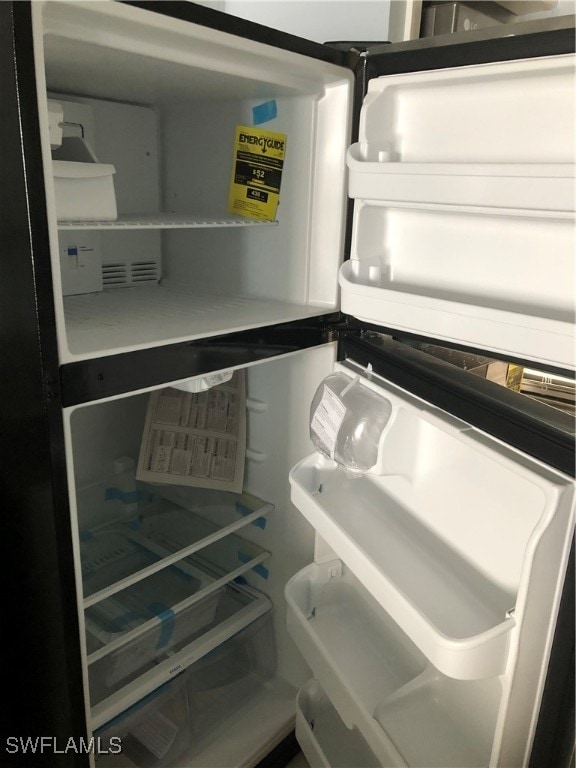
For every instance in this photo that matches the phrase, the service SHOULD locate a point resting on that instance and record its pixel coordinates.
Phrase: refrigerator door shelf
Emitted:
(538, 186)
(324, 738)
(370, 674)
(455, 615)
(447, 557)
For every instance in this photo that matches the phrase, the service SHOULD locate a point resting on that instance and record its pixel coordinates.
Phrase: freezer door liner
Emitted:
(463, 182)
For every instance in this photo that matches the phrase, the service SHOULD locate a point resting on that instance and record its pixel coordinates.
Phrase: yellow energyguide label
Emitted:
(256, 173)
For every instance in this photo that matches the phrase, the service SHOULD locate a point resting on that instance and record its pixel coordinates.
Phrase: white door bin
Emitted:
(324, 738)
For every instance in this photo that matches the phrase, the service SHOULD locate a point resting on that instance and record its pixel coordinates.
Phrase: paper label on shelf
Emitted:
(196, 438)
(328, 418)
(156, 733)
(256, 173)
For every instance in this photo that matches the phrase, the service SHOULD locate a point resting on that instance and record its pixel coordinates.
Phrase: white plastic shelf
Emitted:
(373, 676)
(165, 221)
(115, 321)
(324, 738)
(541, 187)
(456, 616)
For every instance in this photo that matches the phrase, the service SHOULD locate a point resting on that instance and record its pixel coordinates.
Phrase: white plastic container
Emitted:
(223, 680)
(83, 187)
(347, 422)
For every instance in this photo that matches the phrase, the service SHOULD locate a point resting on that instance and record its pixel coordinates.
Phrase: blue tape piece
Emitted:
(263, 113)
(126, 497)
(168, 621)
(126, 618)
(86, 536)
(245, 511)
(240, 580)
(259, 569)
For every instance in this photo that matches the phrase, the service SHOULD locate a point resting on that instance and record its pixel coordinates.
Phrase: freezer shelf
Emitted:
(236, 608)
(110, 322)
(164, 221)
(375, 677)
(324, 738)
(124, 552)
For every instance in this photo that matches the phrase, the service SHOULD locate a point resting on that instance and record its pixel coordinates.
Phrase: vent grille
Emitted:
(144, 272)
(123, 274)
(114, 275)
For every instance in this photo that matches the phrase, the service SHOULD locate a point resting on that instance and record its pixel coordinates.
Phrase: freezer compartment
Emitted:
(160, 99)
(445, 537)
(236, 608)
(369, 669)
(151, 734)
(324, 738)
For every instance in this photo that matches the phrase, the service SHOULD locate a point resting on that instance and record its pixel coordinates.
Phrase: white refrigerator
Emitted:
(404, 608)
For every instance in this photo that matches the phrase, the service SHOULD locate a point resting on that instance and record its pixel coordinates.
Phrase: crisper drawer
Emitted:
(151, 734)
(380, 684)
(324, 738)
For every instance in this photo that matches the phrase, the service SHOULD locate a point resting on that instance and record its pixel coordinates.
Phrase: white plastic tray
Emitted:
(379, 683)
(356, 652)
(324, 738)
(455, 615)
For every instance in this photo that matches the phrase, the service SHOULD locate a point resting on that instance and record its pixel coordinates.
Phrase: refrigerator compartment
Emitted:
(176, 106)
(357, 669)
(123, 553)
(237, 607)
(83, 187)
(223, 681)
(514, 112)
(325, 740)
(152, 733)
(528, 185)
(454, 721)
(411, 270)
